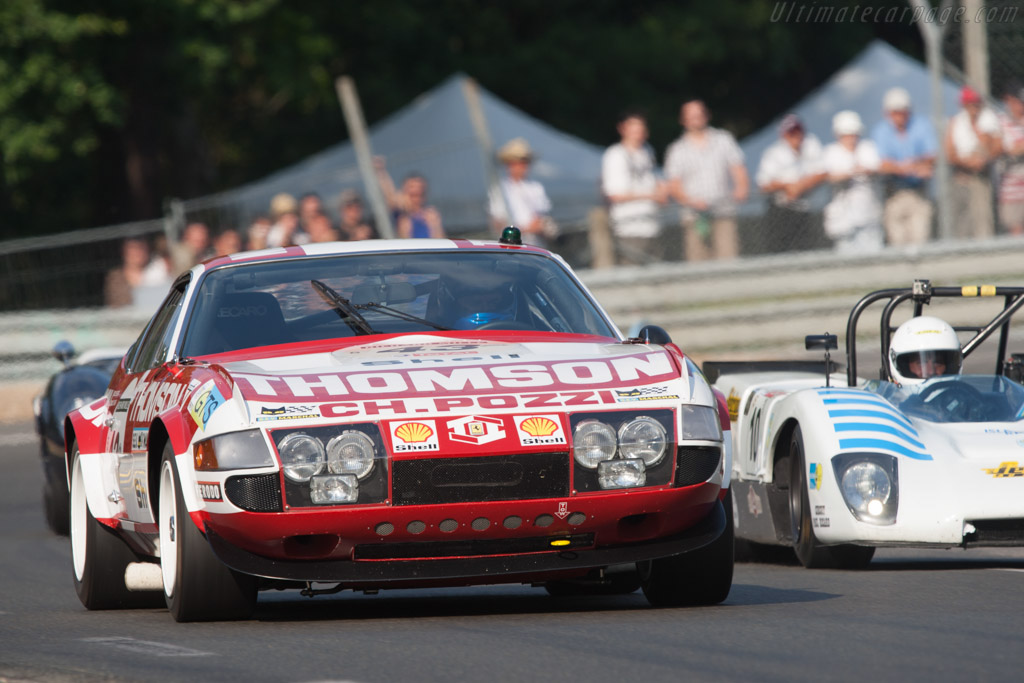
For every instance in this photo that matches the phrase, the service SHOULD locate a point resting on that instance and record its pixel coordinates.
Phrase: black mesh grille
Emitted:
(522, 476)
(696, 464)
(256, 493)
(497, 546)
(1008, 532)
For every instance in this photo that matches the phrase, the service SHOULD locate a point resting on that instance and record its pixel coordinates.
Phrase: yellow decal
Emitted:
(560, 542)
(733, 401)
(539, 426)
(1006, 470)
(414, 432)
(969, 291)
(988, 290)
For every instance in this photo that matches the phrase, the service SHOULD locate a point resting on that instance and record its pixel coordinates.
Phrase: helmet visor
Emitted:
(928, 363)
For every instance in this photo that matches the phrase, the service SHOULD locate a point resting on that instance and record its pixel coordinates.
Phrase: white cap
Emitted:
(896, 99)
(847, 122)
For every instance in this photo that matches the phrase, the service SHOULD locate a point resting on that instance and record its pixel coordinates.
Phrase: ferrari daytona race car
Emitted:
(388, 414)
(836, 466)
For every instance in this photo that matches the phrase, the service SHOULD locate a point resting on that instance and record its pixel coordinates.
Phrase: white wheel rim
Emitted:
(169, 529)
(79, 513)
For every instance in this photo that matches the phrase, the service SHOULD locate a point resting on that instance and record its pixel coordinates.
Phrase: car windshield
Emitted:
(275, 302)
(961, 398)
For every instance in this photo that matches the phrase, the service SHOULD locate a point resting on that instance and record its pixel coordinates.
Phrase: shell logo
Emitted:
(414, 432)
(539, 426)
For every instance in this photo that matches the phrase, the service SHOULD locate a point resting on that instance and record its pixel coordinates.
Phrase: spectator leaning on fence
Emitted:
(853, 218)
(353, 224)
(528, 205)
(1011, 183)
(633, 192)
(972, 145)
(907, 146)
(789, 169)
(412, 215)
(707, 176)
(193, 247)
(285, 232)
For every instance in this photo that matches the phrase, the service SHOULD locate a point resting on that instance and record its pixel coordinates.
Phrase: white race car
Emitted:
(836, 466)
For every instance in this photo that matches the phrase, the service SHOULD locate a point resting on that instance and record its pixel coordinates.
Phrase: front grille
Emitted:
(997, 532)
(522, 476)
(696, 464)
(500, 546)
(256, 492)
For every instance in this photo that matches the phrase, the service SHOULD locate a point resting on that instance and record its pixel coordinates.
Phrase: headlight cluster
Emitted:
(621, 448)
(869, 484)
(329, 464)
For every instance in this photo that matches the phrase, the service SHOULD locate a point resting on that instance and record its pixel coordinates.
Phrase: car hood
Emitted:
(420, 374)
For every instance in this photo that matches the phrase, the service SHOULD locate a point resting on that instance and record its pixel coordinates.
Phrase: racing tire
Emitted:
(99, 557)
(197, 585)
(699, 577)
(57, 507)
(809, 552)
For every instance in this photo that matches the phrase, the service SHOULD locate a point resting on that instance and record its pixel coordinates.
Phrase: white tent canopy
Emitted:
(434, 136)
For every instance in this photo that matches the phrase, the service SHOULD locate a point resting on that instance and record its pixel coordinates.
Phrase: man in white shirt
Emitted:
(789, 169)
(708, 178)
(527, 202)
(853, 219)
(633, 192)
(973, 142)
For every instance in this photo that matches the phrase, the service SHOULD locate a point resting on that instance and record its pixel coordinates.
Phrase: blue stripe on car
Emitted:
(881, 429)
(902, 421)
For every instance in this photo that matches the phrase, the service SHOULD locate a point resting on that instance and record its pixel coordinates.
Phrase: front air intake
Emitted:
(255, 492)
(696, 464)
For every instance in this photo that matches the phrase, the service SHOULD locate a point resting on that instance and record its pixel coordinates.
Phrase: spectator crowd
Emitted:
(877, 181)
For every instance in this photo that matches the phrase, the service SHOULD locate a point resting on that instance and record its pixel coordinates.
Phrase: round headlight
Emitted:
(302, 456)
(643, 438)
(350, 452)
(592, 443)
(866, 487)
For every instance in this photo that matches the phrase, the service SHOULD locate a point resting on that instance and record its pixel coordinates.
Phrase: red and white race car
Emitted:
(389, 414)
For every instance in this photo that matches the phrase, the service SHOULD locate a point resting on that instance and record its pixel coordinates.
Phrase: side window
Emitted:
(152, 348)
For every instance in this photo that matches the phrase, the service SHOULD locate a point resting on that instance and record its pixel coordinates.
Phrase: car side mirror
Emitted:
(821, 341)
(64, 352)
(652, 334)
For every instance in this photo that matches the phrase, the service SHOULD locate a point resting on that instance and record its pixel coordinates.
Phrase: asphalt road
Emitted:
(912, 616)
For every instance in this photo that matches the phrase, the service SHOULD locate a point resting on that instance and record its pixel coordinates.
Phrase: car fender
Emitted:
(99, 467)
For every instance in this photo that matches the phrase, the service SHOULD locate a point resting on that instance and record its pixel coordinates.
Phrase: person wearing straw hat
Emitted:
(527, 204)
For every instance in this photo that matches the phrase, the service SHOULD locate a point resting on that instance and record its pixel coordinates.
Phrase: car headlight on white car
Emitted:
(869, 485)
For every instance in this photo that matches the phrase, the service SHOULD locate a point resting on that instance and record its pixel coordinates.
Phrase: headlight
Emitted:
(350, 452)
(593, 442)
(866, 487)
(869, 484)
(643, 438)
(232, 451)
(302, 456)
(700, 423)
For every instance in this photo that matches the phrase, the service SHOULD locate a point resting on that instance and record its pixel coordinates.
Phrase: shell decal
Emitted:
(539, 426)
(413, 432)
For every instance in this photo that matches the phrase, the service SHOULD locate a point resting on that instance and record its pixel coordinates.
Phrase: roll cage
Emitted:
(921, 294)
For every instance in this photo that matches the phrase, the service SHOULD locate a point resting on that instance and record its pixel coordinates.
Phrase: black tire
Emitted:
(56, 505)
(699, 577)
(809, 552)
(99, 557)
(197, 586)
(617, 581)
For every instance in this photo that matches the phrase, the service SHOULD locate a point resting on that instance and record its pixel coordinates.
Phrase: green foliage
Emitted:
(108, 107)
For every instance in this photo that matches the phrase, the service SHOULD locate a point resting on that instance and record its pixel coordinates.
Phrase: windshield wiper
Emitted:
(344, 307)
(401, 315)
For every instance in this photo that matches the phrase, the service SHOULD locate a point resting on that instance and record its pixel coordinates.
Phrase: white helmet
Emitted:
(921, 348)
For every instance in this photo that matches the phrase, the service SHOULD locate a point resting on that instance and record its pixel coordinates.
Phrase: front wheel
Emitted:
(812, 554)
(99, 557)
(197, 586)
(699, 577)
